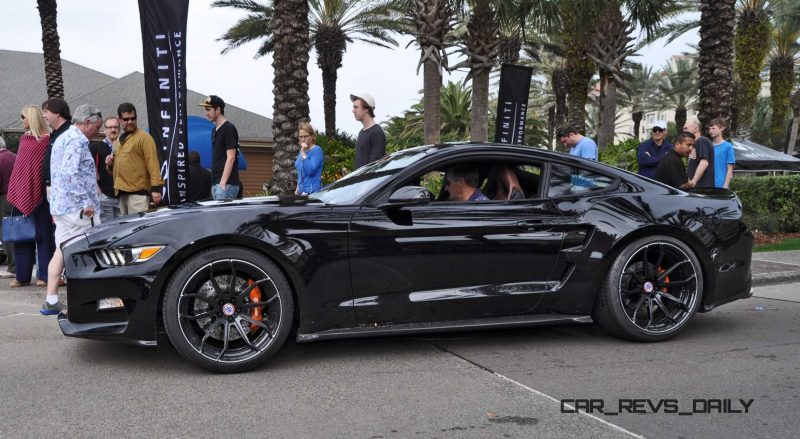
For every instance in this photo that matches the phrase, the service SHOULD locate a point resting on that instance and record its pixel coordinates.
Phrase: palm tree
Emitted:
(481, 46)
(642, 91)
(578, 24)
(455, 107)
(332, 25)
(678, 88)
(715, 61)
(431, 20)
(51, 48)
(290, 45)
(785, 52)
(752, 46)
(611, 45)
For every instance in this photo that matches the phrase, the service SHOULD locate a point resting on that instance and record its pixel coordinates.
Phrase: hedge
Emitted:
(770, 204)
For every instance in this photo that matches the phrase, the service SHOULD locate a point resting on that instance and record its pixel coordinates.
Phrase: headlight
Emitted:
(118, 257)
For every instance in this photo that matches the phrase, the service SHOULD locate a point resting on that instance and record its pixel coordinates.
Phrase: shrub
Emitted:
(770, 204)
(340, 154)
(621, 155)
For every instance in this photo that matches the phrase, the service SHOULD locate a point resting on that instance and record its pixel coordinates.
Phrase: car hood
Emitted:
(112, 231)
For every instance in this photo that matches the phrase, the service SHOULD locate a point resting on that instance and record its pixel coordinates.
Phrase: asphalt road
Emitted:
(480, 384)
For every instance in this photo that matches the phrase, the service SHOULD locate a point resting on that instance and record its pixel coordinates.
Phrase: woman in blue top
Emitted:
(309, 161)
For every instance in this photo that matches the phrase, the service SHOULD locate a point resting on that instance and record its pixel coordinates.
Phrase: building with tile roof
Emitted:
(22, 83)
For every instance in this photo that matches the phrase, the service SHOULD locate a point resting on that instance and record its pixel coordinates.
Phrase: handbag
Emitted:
(19, 228)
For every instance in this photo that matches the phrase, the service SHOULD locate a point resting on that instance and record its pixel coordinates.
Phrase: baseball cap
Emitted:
(366, 97)
(212, 101)
(660, 124)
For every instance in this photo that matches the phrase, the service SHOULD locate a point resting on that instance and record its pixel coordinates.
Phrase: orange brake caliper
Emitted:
(666, 279)
(255, 313)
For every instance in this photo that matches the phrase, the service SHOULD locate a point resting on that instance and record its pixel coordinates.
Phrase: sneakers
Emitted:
(48, 309)
(7, 275)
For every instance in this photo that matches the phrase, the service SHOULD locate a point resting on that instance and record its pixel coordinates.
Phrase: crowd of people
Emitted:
(710, 161)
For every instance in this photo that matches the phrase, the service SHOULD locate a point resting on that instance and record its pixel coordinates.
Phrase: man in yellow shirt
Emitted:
(135, 165)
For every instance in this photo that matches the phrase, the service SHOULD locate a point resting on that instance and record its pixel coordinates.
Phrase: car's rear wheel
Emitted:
(228, 309)
(652, 290)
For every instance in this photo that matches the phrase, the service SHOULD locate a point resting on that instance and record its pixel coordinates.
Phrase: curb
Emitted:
(778, 277)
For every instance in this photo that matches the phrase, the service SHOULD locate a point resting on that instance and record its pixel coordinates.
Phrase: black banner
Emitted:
(512, 104)
(164, 49)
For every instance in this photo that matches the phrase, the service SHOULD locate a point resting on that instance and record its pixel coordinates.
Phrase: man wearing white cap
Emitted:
(651, 151)
(371, 142)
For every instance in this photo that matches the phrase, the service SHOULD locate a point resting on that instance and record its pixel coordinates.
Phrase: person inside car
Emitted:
(461, 182)
(503, 184)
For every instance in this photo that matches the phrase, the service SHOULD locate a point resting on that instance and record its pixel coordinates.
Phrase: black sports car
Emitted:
(384, 251)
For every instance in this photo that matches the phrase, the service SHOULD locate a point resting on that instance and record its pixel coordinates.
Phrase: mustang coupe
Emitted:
(389, 249)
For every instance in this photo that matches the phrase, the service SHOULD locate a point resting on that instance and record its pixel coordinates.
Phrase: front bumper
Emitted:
(88, 282)
(101, 331)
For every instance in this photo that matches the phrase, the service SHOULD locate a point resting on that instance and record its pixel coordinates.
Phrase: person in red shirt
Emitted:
(7, 159)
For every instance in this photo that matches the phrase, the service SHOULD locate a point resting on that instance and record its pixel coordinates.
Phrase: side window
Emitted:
(567, 180)
(507, 181)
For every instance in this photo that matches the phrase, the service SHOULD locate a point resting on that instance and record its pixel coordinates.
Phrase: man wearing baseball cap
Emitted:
(651, 151)
(371, 142)
(224, 147)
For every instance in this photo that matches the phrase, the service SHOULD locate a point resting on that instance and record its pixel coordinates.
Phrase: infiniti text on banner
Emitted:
(512, 104)
(164, 50)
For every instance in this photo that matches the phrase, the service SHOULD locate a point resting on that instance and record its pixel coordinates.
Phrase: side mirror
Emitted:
(409, 196)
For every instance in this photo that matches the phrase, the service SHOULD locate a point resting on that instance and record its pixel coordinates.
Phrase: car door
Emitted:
(446, 261)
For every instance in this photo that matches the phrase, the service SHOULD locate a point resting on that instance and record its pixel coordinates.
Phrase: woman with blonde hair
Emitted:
(309, 161)
(27, 194)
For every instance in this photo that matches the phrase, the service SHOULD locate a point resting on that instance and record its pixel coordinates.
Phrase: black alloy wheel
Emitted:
(652, 290)
(228, 309)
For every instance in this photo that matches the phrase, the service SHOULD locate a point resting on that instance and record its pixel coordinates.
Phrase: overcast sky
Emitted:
(105, 35)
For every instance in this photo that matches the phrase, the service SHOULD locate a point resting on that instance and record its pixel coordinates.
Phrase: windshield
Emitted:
(365, 179)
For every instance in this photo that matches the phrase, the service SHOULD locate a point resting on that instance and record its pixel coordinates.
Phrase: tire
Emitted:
(216, 323)
(652, 290)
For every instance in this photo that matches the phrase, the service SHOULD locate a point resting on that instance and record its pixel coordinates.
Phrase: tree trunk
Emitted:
(330, 43)
(479, 130)
(52, 48)
(559, 84)
(432, 91)
(781, 77)
(608, 112)
(795, 121)
(637, 123)
(680, 118)
(290, 62)
(715, 60)
(578, 94)
(752, 46)
(551, 125)
(329, 101)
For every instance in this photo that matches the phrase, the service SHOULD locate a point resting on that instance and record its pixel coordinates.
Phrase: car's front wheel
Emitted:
(228, 309)
(652, 290)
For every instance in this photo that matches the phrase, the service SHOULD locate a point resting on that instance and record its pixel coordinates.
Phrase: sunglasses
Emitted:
(658, 130)
(128, 119)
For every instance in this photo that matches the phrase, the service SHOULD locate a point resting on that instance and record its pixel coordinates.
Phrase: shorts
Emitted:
(71, 225)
